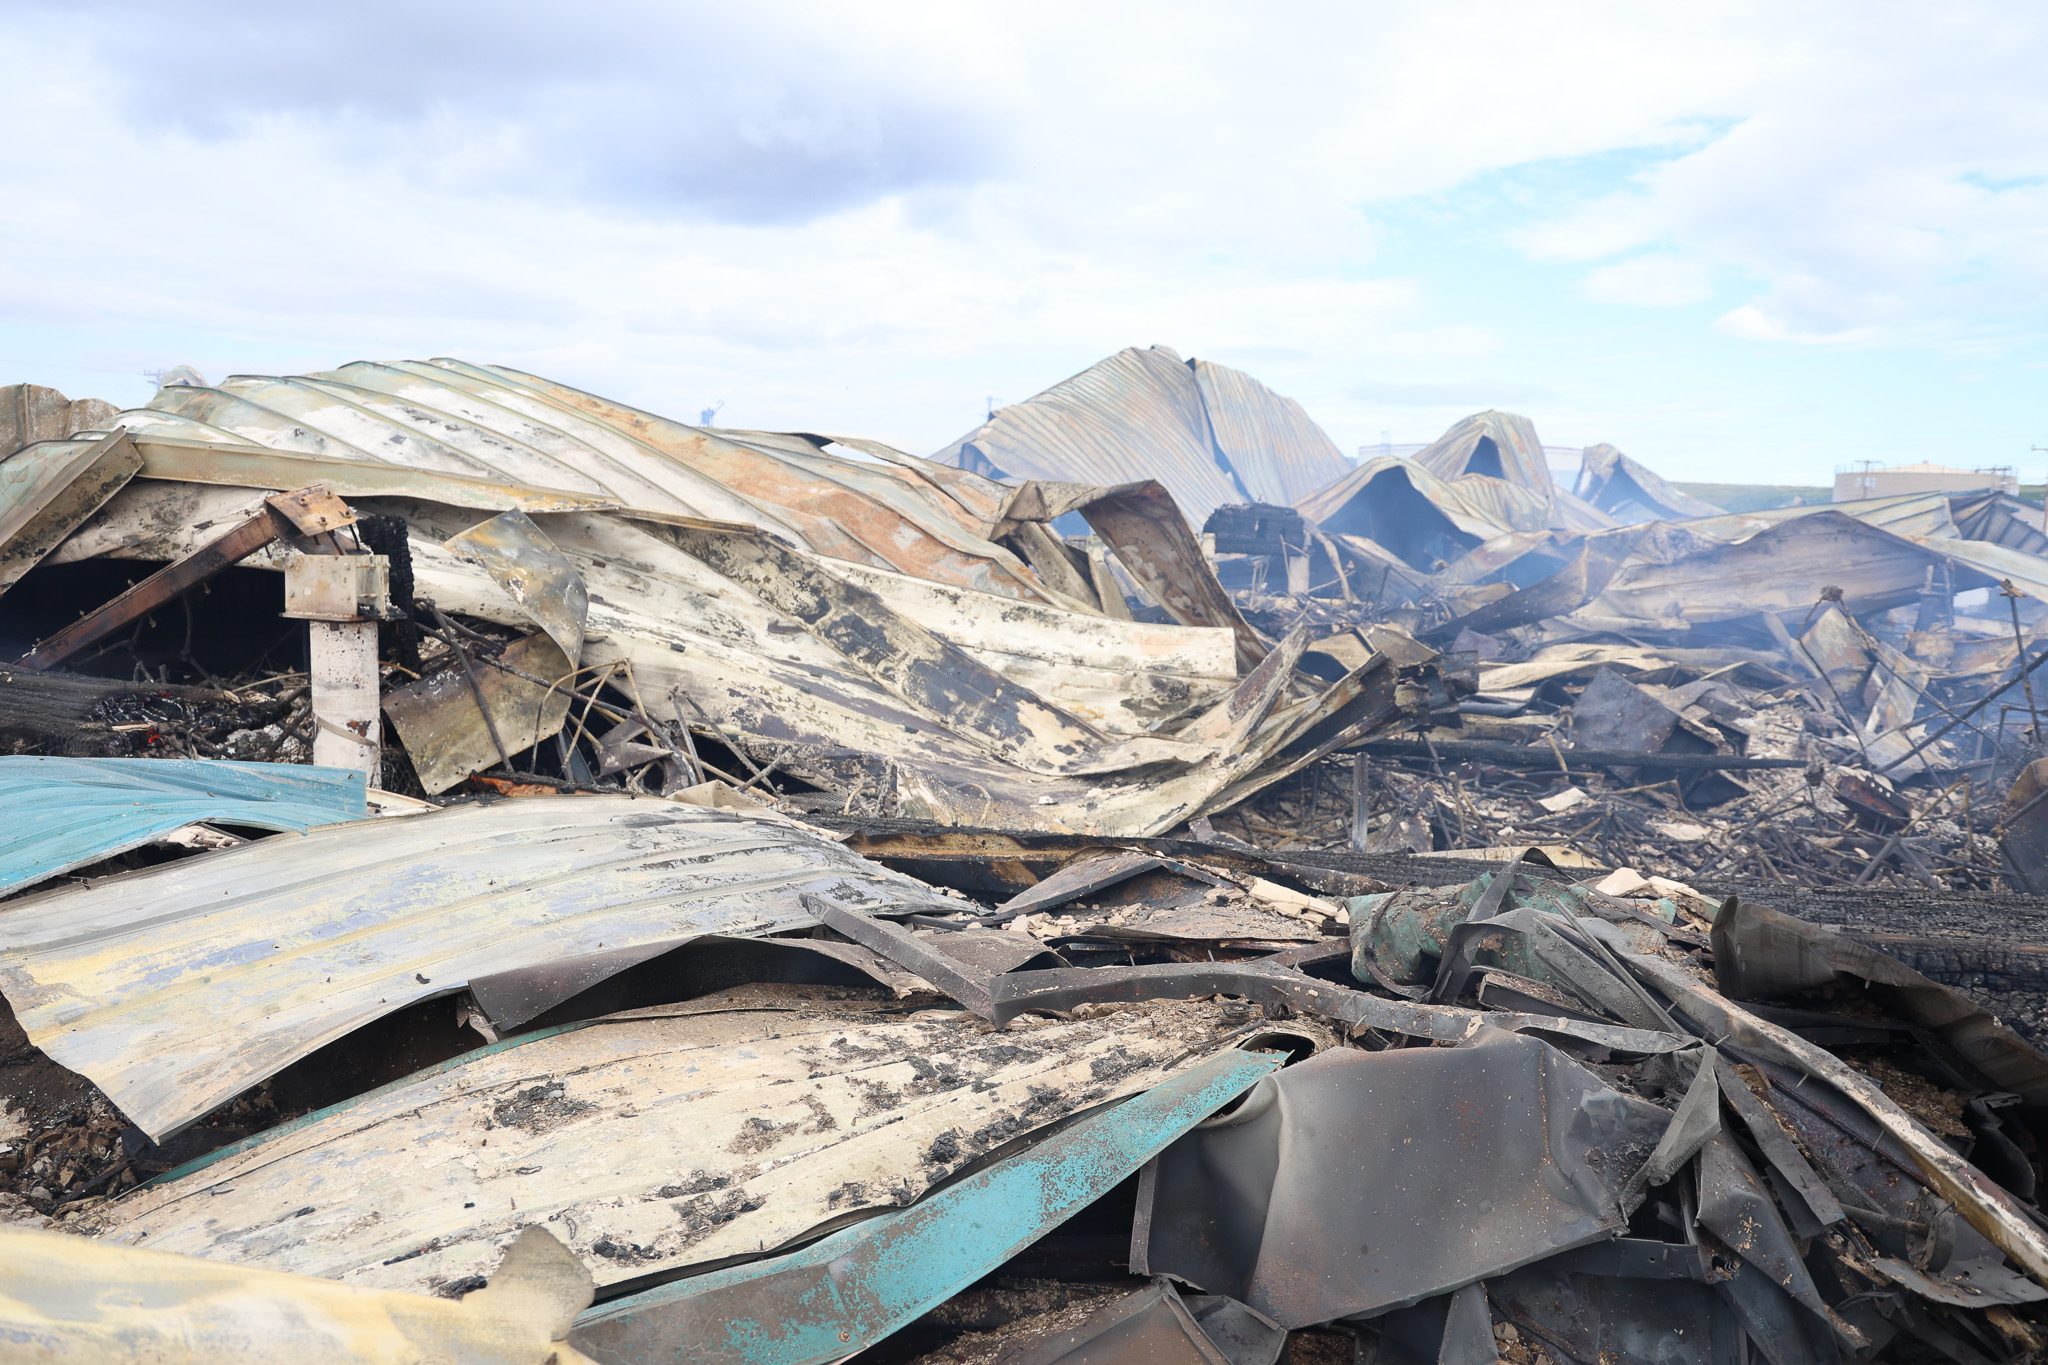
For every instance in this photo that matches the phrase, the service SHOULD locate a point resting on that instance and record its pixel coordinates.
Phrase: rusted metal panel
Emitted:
(911, 696)
(653, 1141)
(64, 813)
(176, 988)
(867, 513)
(855, 1287)
(47, 490)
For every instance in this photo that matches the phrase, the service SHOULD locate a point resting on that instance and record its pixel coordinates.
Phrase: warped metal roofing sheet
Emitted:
(1212, 435)
(1277, 450)
(67, 812)
(654, 1140)
(2001, 519)
(65, 1297)
(48, 488)
(817, 672)
(1500, 445)
(1136, 415)
(1408, 510)
(457, 420)
(1242, 1206)
(1625, 487)
(176, 988)
(846, 1291)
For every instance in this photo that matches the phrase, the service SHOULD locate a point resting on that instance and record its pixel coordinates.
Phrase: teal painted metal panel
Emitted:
(847, 1291)
(64, 813)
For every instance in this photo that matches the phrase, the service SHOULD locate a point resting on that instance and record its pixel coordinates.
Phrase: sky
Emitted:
(1743, 242)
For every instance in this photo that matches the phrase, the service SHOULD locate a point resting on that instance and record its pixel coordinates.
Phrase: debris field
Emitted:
(491, 873)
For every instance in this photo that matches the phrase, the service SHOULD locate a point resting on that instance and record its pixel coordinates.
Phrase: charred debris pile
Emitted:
(492, 873)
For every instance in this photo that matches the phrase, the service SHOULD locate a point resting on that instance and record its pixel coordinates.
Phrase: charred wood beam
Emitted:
(962, 982)
(309, 511)
(1527, 756)
(55, 707)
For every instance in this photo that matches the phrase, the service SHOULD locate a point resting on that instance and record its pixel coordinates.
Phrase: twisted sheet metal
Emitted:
(177, 988)
(1213, 436)
(1628, 488)
(68, 812)
(486, 423)
(1502, 445)
(846, 1291)
(653, 1141)
(1275, 447)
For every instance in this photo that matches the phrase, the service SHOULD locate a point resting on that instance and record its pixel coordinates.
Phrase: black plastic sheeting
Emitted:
(1156, 1325)
(1358, 1182)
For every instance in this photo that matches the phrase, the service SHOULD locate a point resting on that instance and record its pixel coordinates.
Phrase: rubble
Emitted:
(503, 875)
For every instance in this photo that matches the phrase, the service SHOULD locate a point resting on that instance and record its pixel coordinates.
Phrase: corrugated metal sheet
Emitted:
(1425, 521)
(232, 464)
(1136, 415)
(849, 1290)
(1689, 580)
(67, 812)
(824, 694)
(1630, 490)
(47, 489)
(176, 988)
(489, 424)
(1920, 514)
(2000, 519)
(1212, 435)
(1501, 445)
(1275, 447)
(929, 693)
(653, 1141)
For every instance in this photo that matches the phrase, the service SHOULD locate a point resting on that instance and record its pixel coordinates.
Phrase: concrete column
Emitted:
(347, 731)
(340, 598)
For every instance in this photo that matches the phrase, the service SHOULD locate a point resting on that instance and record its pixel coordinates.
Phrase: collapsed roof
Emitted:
(1212, 435)
(661, 1068)
(900, 632)
(1630, 491)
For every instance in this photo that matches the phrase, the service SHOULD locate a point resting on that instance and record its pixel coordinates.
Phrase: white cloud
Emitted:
(1656, 280)
(1886, 184)
(1754, 323)
(867, 219)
